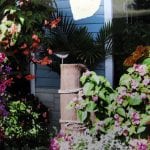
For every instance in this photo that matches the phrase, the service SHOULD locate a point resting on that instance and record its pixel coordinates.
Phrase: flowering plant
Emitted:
(86, 140)
(5, 81)
(127, 107)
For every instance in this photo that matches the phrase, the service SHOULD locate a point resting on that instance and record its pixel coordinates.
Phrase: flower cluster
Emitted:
(86, 140)
(62, 140)
(127, 107)
(139, 144)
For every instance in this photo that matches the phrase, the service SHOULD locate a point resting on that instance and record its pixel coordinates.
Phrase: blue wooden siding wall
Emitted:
(45, 78)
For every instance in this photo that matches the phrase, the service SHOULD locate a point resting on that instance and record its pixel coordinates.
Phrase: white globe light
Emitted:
(84, 8)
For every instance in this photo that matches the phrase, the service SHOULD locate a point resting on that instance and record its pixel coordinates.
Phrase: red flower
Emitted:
(45, 61)
(2, 57)
(35, 38)
(55, 22)
(8, 82)
(35, 45)
(24, 45)
(30, 77)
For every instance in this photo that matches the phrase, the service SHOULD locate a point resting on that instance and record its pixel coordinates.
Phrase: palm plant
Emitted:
(77, 41)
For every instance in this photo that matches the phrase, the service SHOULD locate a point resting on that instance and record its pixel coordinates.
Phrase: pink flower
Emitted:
(2, 57)
(122, 91)
(119, 99)
(141, 69)
(135, 118)
(134, 84)
(116, 116)
(139, 144)
(146, 81)
(87, 73)
(143, 96)
(95, 98)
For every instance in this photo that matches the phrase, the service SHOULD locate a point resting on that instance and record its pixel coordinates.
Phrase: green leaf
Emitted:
(22, 106)
(125, 80)
(132, 130)
(141, 129)
(145, 119)
(102, 79)
(133, 101)
(82, 115)
(91, 106)
(95, 78)
(83, 79)
(21, 20)
(108, 121)
(130, 70)
(146, 61)
(87, 88)
(102, 94)
(121, 112)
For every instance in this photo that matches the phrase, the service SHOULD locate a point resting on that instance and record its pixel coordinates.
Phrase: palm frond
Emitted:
(104, 39)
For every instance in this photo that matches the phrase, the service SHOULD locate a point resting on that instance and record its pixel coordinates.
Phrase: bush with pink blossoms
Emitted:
(126, 107)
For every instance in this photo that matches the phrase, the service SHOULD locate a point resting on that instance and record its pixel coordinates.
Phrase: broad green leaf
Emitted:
(130, 70)
(121, 112)
(102, 79)
(146, 61)
(102, 94)
(145, 119)
(108, 121)
(132, 130)
(95, 78)
(125, 80)
(141, 129)
(83, 79)
(91, 106)
(82, 115)
(133, 101)
(125, 103)
(87, 88)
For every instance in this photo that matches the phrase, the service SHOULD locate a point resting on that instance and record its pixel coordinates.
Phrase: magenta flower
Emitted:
(135, 118)
(54, 145)
(2, 57)
(139, 144)
(2, 88)
(141, 69)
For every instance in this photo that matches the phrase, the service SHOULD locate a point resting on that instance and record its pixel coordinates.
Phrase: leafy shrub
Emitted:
(127, 107)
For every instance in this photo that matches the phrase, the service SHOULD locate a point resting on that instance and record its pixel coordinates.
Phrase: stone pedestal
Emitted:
(70, 85)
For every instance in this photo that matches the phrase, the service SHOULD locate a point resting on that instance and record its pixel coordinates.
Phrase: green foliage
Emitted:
(127, 107)
(78, 42)
(22, 121)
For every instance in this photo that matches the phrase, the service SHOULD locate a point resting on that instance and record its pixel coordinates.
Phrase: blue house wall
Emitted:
(49, 79)
(48, 82)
